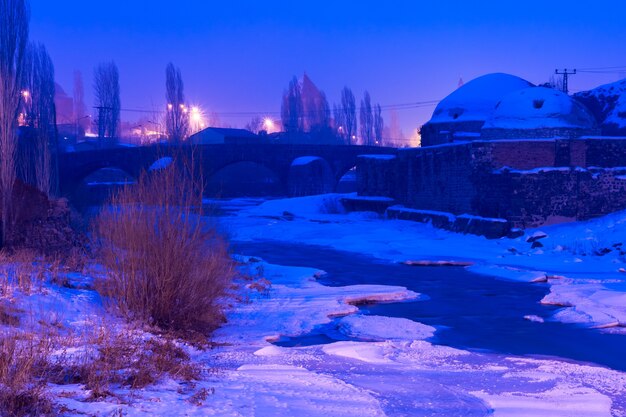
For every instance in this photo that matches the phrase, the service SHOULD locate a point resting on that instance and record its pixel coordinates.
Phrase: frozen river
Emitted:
(470, 311)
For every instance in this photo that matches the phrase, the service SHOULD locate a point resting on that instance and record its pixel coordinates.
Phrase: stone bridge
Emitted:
(301, 169)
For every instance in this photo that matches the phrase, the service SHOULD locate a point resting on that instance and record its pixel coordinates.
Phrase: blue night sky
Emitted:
(239, 56)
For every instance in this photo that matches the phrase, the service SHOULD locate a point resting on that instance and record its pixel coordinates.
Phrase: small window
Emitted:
(538, 103)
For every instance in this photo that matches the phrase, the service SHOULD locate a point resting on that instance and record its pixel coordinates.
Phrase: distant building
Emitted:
(220, 135)
(64, 106)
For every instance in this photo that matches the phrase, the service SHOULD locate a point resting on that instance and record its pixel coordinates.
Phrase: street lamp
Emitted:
(76, 126)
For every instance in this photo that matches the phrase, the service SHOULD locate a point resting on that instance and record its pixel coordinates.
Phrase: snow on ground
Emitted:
(581, 261)
(388, 367)
(399, 374)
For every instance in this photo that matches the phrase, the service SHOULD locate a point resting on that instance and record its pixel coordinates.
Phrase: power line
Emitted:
(387, 107)
(598, 69)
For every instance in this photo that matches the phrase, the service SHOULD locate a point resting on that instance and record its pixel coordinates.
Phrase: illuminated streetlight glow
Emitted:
(196, 117)
(25, 94)
(170, 106)
(268, 124)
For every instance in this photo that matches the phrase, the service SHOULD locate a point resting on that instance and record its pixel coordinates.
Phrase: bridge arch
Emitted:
(346, 182)
(94, 186)
(244, 178)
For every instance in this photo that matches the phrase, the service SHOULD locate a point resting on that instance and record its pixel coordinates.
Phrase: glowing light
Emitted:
(196, 118)
(25, 94)
(170, 106)
(268, 124)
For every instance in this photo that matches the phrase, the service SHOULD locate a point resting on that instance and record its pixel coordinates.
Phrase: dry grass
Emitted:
(23, 369)
(112, 358)
(164, 266)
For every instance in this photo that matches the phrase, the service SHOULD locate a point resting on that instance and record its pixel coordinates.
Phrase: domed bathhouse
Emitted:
(539, 113)
(499, 154)
(461, 115)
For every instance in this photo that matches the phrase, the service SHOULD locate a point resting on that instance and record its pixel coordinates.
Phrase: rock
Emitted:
(437, 263)
(540, 279)
(536, 244)
(515, 233)
(608, 325)
(534, 318)
(603, 251)
(622, 270)
(288, 216)
(536, 236)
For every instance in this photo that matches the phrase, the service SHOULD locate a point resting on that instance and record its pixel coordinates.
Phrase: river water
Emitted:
(470, 311)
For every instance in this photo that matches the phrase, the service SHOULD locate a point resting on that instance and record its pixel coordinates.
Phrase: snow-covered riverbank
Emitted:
(389, 366)
(582, 261)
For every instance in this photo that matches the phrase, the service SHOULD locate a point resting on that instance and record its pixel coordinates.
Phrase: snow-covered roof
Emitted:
(539, 107)
(607, 102)
(476, 100)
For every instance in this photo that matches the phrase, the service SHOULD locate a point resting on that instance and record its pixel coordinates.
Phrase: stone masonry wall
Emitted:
(529, 183)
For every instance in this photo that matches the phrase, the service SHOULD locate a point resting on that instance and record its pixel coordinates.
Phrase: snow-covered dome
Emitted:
(475, 100)
(539, 112)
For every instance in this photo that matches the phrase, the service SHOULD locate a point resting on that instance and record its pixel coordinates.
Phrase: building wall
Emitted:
(559, 132)
(440, 133)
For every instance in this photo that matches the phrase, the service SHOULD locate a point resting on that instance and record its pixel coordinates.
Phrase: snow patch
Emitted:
(379, 328)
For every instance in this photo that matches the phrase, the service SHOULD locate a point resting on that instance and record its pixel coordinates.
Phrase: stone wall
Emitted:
(529, 183)
(551, 132)
(377, 175)
(441, 133)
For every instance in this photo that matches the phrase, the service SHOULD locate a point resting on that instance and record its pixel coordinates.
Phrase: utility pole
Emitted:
(565, 73)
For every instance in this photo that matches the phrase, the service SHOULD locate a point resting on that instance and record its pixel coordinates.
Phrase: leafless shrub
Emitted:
(23, 270)
(23, 367)
(123, 357)
(164, 266)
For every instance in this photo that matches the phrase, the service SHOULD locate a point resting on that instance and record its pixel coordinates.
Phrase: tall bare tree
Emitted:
(348, 105)
(379, 125)
(106, 84)
(80, 118)
(177, 116)
(339, 123)
(14, 19)
(291, 110)
(367, 120)
(38, 87)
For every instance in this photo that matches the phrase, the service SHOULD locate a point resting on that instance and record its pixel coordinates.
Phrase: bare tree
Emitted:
(14, 18)
(255, 125)
(366, 120)
(39, 89)
(379, 125)
(177, 116)
(339, 123)
(106, 83)
(348, 105)
(80, 118)
(291, 110)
